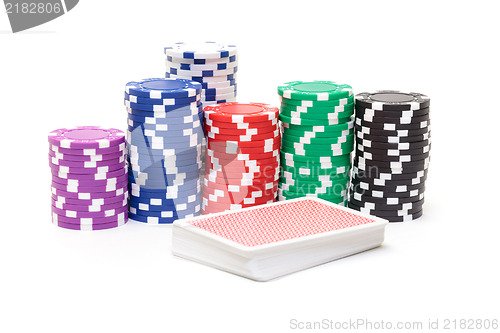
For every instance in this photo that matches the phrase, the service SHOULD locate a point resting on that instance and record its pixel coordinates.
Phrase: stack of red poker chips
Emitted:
(242, 157)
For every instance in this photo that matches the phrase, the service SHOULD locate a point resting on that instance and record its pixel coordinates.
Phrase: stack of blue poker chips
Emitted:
(164, 149)
(214, 65)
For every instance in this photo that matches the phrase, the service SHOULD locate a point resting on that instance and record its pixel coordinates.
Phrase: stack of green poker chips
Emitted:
(317, 140)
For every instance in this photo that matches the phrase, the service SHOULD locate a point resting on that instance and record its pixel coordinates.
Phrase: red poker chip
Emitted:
(239, 132)
(247, 188)
(242, 157)
(234, 148)
(240, 182)
(266, 173)
(205, 203)
(240, 112)
(237, 163)
(229, 125)
(252, 144)
(244, 138)
(244, 169)
(240, 199)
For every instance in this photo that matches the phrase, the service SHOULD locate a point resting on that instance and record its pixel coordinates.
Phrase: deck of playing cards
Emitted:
(272, 240)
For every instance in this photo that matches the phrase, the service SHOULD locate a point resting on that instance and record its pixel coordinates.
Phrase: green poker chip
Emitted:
(314, 122)
(305, 134)
(319, 109)
(347, 146)
(313, 159)
(332, 198)
(316, 115)
(316, 141)
(332, 103)
(314, 90)
(298, 180)
(334, 161)
(312, 171)
(319, 128)
(333, 191)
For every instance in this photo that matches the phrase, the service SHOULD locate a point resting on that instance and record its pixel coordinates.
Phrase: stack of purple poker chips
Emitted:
(89, 178)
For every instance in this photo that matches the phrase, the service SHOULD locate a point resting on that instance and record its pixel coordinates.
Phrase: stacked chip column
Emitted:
(242, 158)
(212, 64)
(89, 178)
(317, 140)
(392, 154)
(164, 144)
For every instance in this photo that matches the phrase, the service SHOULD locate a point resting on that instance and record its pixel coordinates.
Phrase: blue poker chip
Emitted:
(200, 50)
(160, 176)
(225, 84)
(166, 114)
(189, 67)
(220, 91)
(202, 73)
(155, 220)
(164, 193)
(143, 163)
(166, 201)
(168, 121)
(204, 79)
(191, 210)
(161, 88)
(230, 59)
(154, 156)
(145, 167)
(165, 131)
(184, 202)
(211, 98)
(175, 129)
(181, 147)
(175, 102)
(158, 185)
(179, 153)
(148, 137)
(194, 102)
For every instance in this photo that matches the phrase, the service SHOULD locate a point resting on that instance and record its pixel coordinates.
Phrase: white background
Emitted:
(72, 71)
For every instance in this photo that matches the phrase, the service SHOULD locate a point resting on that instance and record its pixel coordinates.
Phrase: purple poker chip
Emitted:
(89, 183)
(122, 217)
(77, 214)
(88, 152)
(89, 202)
(90, 208)
(103, 169)
(87, 164)
(86, 137)
(84, 227)
(97, 176)
(88, 196)
(86, 158)
(91, 189)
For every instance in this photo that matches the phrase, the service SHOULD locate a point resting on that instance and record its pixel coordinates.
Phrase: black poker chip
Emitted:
(393, 100)
(392, 127)
(384, 206)
(398, 217)
(373, 174)
(362, 111)
(393, 139)
(388, 213)
(393, 120)
(389, 187)
(398, 133)
(386, 158)
(393, 152)
(386, 200)
(385, 193)
(391, 145)
(391, 165)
